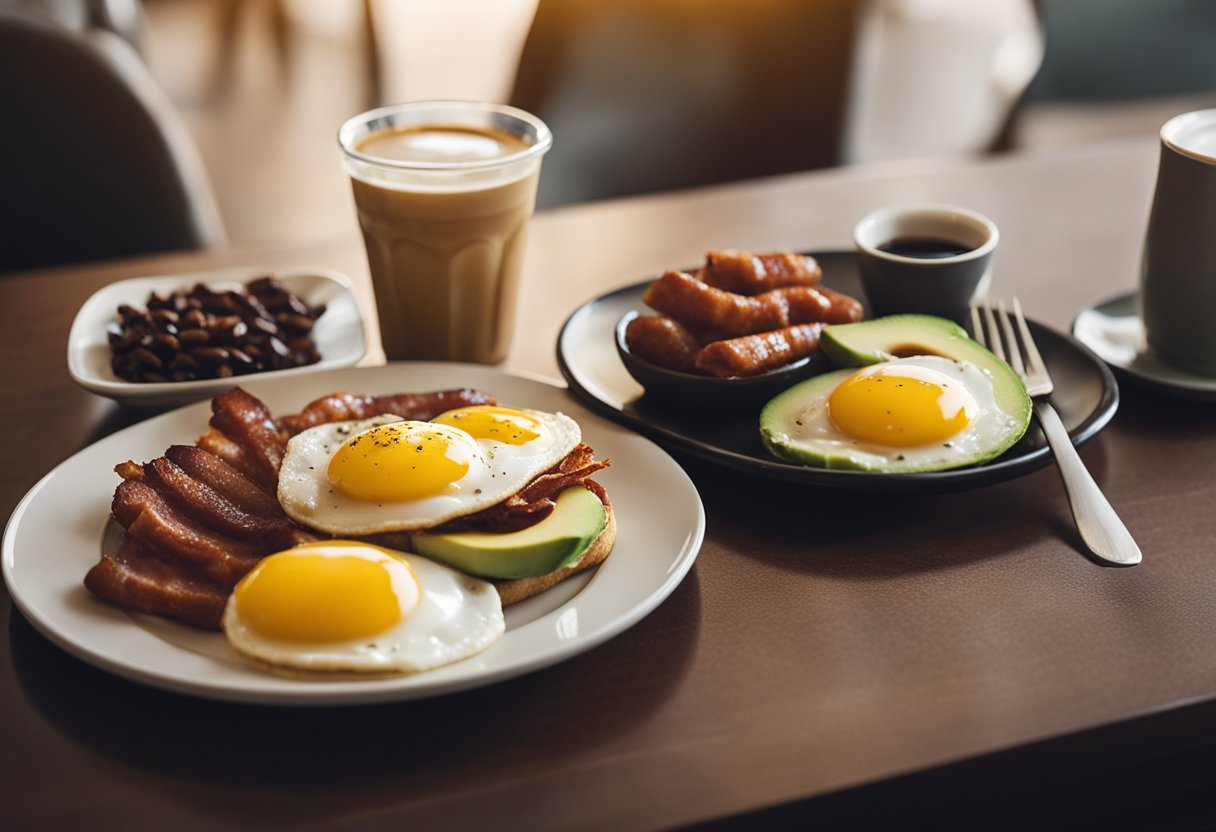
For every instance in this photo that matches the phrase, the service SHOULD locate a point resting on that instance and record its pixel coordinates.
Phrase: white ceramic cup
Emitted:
(1178, 271)
(945, 286)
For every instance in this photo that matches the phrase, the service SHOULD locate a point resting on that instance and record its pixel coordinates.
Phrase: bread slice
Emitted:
(515, 590)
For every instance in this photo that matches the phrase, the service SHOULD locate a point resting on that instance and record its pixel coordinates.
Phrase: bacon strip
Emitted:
(236, 456)
(205, 505)
(150, 518)
(343, 406)
(535, 501)
(247, 421)
(135, 578)
(225, 480)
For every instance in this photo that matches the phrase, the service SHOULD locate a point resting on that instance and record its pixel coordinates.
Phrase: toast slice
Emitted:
(516, 590)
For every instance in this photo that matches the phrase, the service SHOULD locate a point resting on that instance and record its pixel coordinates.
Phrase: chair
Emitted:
(94, 161)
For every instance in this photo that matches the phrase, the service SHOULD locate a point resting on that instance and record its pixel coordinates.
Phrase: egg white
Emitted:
(457, 616)
(813, 430)
(497, 470)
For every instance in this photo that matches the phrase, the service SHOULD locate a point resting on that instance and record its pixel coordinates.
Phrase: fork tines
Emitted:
(995, 329)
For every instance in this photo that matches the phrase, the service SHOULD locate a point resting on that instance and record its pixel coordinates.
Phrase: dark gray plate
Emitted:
(1086, 397)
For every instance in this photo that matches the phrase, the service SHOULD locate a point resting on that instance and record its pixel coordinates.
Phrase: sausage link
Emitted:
(701, 307)
(845, 309)
(662, 341)
(755, 354)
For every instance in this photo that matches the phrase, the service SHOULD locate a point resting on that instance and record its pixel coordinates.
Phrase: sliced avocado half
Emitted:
(900, 336)
(553, 543)
(785, 421)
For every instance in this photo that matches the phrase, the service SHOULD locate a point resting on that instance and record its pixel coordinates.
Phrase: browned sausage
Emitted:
(807, 304)
(751, 274)
(662, 341)
(754, 354)
(703, 308)
(844, 310)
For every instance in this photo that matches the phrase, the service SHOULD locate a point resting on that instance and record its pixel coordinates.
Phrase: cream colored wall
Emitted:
(937, 77)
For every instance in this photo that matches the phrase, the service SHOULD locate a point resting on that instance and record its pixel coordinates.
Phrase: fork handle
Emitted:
(1098, 524)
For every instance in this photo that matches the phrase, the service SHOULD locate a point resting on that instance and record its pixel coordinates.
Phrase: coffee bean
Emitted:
(212, 333)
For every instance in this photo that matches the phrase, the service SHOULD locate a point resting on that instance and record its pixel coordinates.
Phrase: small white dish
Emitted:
(1113, 330)
(338, 333)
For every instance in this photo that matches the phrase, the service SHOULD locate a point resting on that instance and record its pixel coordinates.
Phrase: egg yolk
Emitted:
(900, 406)
(499, 424)
(328, 591)
(399, 461)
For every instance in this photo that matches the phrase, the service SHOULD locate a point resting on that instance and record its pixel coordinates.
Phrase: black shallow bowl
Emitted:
(673, 388)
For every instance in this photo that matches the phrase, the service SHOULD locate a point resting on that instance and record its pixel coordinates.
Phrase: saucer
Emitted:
(1113, 330)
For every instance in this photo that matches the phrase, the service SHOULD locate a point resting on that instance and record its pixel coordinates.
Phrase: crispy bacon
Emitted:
(207, 506)
(339, 407)
(247, 421)
(136, 578)
(150, 518)
(198, 518)
(535, 501)
(225, 480)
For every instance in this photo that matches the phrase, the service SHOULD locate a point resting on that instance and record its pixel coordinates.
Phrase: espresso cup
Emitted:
(928, 259)
(1178, 271)
(444, 191)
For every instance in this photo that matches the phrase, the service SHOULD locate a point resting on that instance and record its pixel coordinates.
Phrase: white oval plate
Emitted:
(338, 333)
(58, 530)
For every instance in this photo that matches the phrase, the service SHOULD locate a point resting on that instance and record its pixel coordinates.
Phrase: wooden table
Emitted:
(852, 659)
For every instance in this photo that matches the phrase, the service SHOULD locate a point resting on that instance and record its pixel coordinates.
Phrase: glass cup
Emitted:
(444, 191)
(1178, 272)
(929, 259)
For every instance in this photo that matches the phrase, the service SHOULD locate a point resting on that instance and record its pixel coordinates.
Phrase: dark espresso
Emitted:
(924, 248)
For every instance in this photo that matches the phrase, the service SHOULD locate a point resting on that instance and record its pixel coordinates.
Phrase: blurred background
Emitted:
(240, 101)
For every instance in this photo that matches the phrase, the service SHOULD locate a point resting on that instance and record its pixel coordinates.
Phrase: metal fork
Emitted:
(1098, 524)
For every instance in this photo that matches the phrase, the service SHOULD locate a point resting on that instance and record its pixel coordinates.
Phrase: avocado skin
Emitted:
(898, 336)
(774, 414)
(553, 543)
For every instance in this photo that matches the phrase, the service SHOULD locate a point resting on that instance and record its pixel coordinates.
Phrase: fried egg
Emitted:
(345, 606)
(387, 474)
(923, 413)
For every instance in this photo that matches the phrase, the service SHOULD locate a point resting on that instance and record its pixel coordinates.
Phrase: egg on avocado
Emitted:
(926, 398)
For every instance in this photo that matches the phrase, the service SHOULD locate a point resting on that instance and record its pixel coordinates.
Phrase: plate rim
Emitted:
(267, 689)
(1188, 386)
(999, 470)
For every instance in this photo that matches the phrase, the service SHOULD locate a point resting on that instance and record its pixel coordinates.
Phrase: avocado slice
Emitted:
(795, 425)
(900, 336)
(553, 543)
